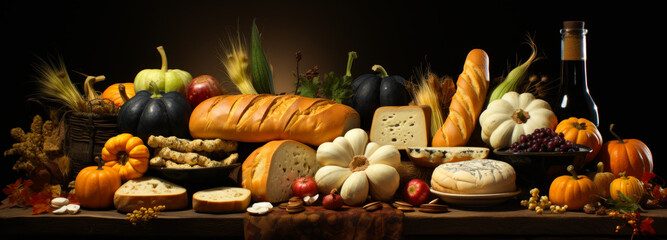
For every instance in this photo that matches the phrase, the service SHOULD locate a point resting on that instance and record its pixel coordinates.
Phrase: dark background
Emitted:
(118, 39)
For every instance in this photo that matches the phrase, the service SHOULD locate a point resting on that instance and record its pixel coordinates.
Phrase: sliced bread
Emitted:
(221, 200)
(149, 192)
(270, 170)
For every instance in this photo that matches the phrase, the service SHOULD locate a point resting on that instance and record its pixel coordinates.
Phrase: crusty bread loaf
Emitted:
(264, 117)
(467, 103)
(434, 156)
(271, 169)
(221, 200)
(474, 177)
(402, 126)
(149, 192)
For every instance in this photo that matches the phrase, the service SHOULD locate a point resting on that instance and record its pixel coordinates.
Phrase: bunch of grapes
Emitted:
(543, 140)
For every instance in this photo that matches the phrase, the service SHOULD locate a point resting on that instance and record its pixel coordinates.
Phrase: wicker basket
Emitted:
(86, 134)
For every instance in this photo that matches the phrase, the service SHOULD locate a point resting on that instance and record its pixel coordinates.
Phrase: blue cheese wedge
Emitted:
(434, 156)
(402, 126)
(474, 177)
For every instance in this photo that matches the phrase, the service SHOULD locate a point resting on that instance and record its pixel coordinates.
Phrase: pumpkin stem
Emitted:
(358, 163)
(600, 167)
(520, 116)
(100, 163)
(579, 125)
(163, 55)
(334, 191)
(570, 169)
(381, 70)
(623, 175)
(611, 126)
(350, 57)
(123, 93)
(152, 86)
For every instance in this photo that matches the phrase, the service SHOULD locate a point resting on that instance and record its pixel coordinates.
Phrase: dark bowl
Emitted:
(195, 179)
(539, 169)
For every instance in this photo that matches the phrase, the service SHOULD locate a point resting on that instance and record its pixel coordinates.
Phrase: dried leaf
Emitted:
(646, 227)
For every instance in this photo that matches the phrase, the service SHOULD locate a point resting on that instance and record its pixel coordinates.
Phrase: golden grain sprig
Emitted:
(236, 61)
(54, 84)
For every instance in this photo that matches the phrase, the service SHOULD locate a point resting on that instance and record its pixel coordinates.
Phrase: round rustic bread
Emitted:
(474, 177)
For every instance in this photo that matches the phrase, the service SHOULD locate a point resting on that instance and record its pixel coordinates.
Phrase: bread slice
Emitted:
(221, 200)
(434, 156)
(149, 192)
(403, 126)
(474, 177)
(271, 169)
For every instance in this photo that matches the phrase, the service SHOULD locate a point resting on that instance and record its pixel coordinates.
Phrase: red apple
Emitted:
(304, 186)
(416, 192)
(201, 88)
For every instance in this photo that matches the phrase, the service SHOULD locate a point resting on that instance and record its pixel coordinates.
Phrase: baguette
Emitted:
(265, 117)
(467, 103)
(149, 192)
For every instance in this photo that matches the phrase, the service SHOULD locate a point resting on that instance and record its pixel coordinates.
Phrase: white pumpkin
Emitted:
(356, 167)
(506, 119)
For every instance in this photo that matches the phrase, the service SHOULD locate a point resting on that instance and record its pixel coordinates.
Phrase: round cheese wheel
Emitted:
(474, 177)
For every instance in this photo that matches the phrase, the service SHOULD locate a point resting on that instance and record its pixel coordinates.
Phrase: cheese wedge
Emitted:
(271, 169)
(221, 200)
(434, 156)
(474, 177)
(402, 126)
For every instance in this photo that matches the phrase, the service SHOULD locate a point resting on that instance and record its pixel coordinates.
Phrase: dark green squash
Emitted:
(155, 113)
(372, 91)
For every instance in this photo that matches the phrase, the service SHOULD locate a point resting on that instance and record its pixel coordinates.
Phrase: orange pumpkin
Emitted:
(114, 94)
(629, 186)
(126, 154)
(95, 186)
(581, 131)
(631, 156)
(602, 180)
(574, 190)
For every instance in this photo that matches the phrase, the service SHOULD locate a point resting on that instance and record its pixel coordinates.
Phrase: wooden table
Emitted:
(508, 221)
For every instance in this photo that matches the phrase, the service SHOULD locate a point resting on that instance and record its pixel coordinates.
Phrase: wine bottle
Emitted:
(573, 98)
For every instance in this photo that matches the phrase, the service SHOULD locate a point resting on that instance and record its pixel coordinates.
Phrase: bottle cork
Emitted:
(573, 42)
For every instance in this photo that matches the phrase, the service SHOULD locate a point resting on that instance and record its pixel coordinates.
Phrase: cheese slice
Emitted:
(221, 200)
(434, 156)
(474, 176)
(401, 126)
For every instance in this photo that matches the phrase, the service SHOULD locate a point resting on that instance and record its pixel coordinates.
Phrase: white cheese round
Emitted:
(474, 176)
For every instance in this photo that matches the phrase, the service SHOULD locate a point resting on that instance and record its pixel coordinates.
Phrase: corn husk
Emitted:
(515, 77)
(262, 76)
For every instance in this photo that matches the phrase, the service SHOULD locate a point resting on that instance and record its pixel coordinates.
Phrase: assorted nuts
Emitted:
(431, 207)
(295, 205)
(373, 206)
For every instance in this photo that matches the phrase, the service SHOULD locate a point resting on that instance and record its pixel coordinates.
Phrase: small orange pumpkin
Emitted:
(602, 180)
(631, 156)
(126, 154)
(629, 186)
(114, 94)
(95, 186)
(574, 190)
(581, 131)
